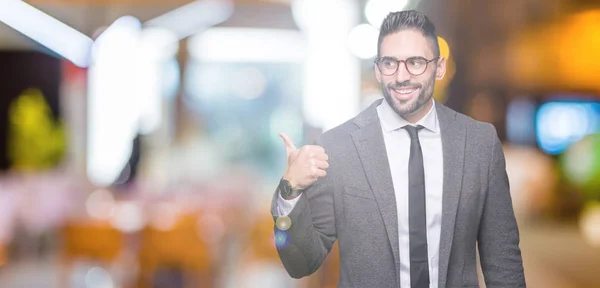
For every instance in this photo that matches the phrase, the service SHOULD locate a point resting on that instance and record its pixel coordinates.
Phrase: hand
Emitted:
(304, 165)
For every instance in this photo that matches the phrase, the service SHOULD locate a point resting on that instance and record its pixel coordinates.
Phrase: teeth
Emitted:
(405, 91)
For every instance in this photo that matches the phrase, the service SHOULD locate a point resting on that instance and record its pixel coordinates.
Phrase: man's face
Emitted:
(407, 94)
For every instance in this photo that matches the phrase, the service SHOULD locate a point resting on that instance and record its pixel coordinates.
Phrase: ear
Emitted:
(441, 68)
(377, 73)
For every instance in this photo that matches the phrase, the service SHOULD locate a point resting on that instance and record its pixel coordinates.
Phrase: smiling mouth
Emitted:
(404, 91)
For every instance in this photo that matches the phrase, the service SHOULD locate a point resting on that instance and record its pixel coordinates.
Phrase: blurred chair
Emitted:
(93, 241)
(260, 265)
(177, 248)
(261, 243)
(3, 256)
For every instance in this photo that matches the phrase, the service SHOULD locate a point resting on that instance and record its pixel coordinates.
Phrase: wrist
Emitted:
(290, 180)
(292, 196)
(287, 189)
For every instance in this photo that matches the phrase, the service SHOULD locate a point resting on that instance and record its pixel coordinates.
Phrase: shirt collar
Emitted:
(391, 121)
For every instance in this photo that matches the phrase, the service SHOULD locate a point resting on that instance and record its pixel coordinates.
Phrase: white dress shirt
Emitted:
(397, 143)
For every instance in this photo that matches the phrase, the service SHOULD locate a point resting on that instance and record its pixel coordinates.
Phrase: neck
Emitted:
(420, 113)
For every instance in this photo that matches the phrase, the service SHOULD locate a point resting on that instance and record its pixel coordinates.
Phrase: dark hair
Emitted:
(411, 19)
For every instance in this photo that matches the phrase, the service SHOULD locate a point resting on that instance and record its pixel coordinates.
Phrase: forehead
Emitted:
(406, 43)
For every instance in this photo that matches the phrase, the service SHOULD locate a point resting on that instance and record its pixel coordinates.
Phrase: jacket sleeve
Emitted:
(498, 238)
(303, 247)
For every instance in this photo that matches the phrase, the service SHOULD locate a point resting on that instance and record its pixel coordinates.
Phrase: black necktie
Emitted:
(417, 220)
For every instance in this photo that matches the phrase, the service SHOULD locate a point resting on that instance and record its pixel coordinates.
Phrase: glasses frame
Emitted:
(404, 62)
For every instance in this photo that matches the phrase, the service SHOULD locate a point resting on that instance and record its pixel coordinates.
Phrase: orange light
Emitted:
(441, 86)
(561, 55)
(578, 50)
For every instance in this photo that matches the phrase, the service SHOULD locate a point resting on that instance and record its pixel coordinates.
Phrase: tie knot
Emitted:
(413, 131)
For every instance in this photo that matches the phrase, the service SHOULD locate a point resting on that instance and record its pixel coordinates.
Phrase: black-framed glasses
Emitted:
(416, 66)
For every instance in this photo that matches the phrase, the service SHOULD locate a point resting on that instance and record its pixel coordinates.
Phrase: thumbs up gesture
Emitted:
(304, 165)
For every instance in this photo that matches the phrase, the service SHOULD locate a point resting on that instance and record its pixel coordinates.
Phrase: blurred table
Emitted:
(555, 255)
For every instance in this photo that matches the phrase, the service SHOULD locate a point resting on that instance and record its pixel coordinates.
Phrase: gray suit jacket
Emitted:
(355, 204)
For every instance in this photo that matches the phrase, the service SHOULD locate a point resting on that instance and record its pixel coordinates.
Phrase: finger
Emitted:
(322, 164)
(321, 156)
(319, 173)
(316, 148)
(289, 144)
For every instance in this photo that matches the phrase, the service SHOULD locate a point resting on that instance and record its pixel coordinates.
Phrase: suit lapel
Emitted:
(453, 134)
(372, 152)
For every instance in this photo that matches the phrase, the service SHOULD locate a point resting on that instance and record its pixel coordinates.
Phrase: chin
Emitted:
(406, 108)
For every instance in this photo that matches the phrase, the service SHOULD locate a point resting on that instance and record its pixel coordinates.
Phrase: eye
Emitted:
(416, 62)
(389, 63)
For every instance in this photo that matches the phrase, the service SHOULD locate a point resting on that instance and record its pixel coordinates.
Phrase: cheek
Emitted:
(386, 80)
(427, 79)
(419, 79)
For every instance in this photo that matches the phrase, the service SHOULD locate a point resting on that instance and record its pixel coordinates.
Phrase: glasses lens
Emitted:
(416, 65)
(387, 66)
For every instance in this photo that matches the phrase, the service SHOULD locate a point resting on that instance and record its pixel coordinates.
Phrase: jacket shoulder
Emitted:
(478, 128)
(338, 135)
(481, 136)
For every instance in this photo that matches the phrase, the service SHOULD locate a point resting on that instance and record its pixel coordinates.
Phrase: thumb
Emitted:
(289, 144)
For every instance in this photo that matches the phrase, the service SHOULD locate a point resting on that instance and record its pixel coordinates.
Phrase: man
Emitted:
(409, 187)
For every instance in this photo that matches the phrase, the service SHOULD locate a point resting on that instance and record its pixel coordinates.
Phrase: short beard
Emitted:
(425, 94)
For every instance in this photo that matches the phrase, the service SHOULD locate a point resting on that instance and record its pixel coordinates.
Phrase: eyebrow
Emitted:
(396, 58)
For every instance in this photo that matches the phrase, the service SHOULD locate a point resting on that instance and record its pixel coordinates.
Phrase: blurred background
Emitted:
(139, 147)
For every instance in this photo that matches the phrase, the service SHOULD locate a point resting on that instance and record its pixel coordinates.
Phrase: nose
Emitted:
(402, 73)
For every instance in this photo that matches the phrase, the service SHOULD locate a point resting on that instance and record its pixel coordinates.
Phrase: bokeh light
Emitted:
(589, 224)
(362, 41)
(283, 223)
(377, 10)
(581, 165)
(281, 238)
(559, 124)
(100, 204)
